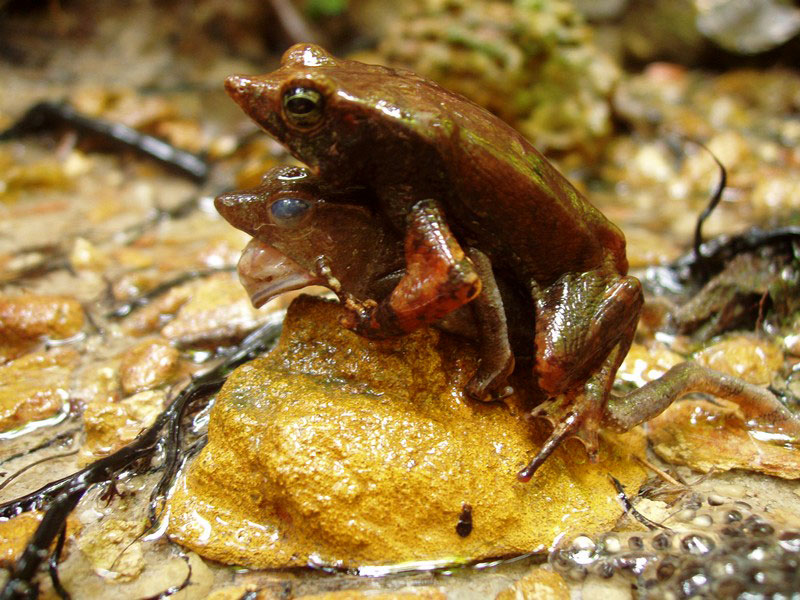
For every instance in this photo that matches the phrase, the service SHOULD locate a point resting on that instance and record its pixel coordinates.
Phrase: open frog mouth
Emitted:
(266, 272)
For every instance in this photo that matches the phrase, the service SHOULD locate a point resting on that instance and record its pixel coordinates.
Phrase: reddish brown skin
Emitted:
(439, 279)
(474, 203)
(345, 244)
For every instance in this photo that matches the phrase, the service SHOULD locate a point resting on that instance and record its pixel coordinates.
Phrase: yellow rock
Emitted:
(35, 386)
(643, 364)
(539, 584)
(217, 309)
(14, 535)
(712, 436)
(86, 256)
(753, 359)
(148, 365)
(335, 449)
(234, 593)
(113, 550)
(111, 425)
(27, 319)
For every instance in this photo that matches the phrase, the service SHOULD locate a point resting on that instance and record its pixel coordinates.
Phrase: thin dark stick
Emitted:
(53, 567)
(52, 441)
(46, 115)
(629, 508)
(712, 204)
(13, 476)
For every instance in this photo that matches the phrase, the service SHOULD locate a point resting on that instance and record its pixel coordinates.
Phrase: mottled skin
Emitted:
(471, 200)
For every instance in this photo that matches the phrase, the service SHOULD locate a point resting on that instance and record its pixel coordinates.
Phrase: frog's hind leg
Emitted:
(758, 407)
(585, 323)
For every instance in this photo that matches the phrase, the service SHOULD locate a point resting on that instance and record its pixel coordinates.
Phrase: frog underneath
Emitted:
(472, 203)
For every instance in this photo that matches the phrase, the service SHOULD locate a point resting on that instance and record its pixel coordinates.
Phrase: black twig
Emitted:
(630, 509)
(27, 467)
(716, 253)
(699, 262)
(48, 115)
(71, 433)
(53, 566)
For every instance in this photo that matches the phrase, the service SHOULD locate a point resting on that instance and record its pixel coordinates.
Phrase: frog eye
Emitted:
(289, 211)
(303, 106)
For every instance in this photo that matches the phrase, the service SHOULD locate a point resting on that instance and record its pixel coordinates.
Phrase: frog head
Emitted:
(307, 234)
(305, 106)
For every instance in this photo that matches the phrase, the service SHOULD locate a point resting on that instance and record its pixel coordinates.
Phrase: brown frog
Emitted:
(307, 233)
(472, 203)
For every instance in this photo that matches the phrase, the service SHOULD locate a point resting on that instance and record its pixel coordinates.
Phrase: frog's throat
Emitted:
(265, 272)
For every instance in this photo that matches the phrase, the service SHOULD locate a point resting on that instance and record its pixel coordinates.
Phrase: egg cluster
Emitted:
(718, 549)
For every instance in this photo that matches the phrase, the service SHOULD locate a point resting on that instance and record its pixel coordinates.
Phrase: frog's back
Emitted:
(499, 192)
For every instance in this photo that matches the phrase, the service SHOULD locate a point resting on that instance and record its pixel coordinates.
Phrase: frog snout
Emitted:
(244, 210)
(238, 86)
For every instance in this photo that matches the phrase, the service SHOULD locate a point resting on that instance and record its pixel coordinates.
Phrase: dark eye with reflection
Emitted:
(303, 106)
(289, 211)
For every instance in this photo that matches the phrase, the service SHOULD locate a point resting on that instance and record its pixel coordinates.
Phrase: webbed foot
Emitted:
(578, 418)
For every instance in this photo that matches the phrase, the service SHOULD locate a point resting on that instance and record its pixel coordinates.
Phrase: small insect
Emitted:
(464, 525)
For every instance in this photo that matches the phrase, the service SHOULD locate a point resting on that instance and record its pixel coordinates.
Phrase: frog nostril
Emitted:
(238, 85)
(227, 201)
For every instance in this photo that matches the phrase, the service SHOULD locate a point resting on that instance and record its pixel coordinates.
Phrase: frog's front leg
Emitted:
(585, 323)
(497, 358)
(439, 279)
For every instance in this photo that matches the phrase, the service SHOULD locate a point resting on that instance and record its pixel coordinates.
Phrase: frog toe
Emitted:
(490, 384)
(577, 419)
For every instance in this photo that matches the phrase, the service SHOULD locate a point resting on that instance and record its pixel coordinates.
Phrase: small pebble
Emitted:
(732, 490)
(612, 544)
(704, 521)
(685, 515)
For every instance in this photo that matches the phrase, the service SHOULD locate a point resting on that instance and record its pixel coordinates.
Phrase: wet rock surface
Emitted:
(713, 437)
(337, 450)
(148, 365)
(111, 425)
(14, 534)
(35, 386)
(539, 584)
(27, 320)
